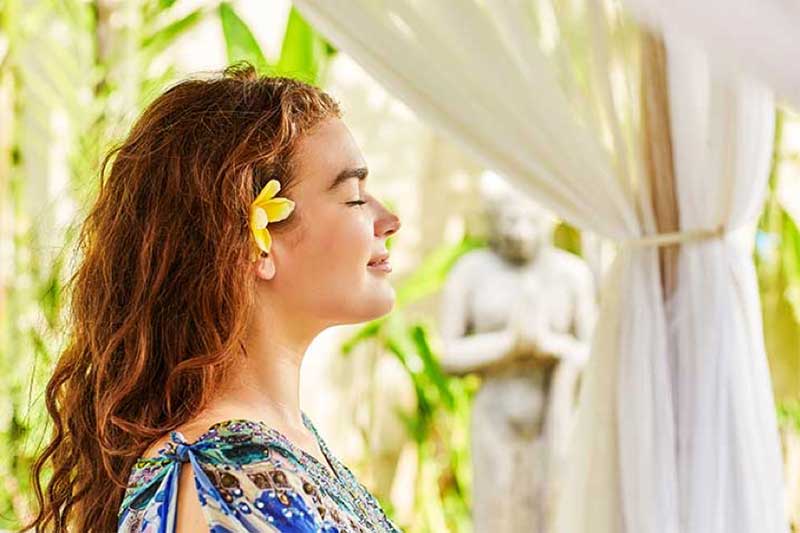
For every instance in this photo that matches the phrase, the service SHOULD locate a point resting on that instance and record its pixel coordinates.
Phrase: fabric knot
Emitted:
(179, 449)
(182, 452)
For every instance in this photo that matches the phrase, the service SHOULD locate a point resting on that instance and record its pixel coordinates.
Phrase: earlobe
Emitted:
(265, 266)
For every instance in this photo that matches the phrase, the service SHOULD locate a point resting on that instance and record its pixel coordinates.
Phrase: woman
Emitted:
(234, 226)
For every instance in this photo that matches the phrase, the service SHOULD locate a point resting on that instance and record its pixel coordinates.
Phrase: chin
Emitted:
(385, 306)
(379, 306)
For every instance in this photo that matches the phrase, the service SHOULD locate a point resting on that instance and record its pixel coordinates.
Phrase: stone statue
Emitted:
(520, 314)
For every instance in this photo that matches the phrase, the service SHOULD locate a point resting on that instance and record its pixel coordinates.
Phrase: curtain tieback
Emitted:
(663, 239)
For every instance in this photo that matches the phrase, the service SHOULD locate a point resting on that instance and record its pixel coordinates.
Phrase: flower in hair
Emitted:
(267, 208)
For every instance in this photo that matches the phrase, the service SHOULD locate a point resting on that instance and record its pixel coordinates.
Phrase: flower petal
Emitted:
(258, 218)
(278, 209)
(263, 239)
(270, 189)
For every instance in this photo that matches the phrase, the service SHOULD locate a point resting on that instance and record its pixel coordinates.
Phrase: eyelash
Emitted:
(357, 202)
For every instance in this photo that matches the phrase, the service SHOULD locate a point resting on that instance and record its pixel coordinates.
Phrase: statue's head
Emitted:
(518, 227)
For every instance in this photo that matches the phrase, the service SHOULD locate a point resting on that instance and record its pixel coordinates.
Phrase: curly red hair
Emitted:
(161, 298)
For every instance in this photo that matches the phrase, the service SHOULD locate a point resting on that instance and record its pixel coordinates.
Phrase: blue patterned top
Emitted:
(250, 477)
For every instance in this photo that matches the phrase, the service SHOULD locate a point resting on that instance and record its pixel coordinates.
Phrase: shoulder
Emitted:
(235, 475)
(473, 262)
(193, 430)
(570, 265)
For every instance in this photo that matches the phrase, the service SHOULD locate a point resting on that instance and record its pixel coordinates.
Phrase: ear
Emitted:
(265, 266)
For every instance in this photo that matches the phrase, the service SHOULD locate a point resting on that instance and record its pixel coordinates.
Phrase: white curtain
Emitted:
(755, 36)
(728, 436)
(673, 422)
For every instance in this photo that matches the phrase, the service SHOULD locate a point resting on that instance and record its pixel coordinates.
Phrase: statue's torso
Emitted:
(543, 288)
(513, 392)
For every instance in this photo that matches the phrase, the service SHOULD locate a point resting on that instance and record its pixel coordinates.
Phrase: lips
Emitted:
(380, 263)
(383, 258)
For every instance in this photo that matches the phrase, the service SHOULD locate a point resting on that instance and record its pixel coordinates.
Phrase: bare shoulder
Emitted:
(156, 446)
(190, 517)
(189, 514)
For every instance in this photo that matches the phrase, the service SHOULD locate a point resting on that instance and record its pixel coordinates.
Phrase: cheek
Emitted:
(334, 245)
(327, 275)
(348, 240)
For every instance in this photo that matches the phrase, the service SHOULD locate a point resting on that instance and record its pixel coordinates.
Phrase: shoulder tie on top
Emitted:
(180, 451)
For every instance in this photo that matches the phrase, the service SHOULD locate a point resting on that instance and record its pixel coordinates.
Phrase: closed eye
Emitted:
(356, 202)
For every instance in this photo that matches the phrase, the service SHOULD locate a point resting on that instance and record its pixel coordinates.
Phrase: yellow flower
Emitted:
(266, 209)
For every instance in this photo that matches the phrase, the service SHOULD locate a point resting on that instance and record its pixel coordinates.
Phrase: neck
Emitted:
(265, 383)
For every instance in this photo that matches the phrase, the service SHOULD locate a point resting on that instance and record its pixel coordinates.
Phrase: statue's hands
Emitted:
(528, 329)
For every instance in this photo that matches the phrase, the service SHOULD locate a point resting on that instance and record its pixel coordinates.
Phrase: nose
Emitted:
(387, 223)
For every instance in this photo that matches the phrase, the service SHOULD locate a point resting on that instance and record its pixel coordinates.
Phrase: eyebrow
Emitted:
(346, 174)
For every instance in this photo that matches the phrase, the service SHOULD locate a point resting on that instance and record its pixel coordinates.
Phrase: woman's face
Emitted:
(319, 269)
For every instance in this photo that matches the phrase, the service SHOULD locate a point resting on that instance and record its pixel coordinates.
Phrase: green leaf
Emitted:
(431, 364)
(304, 52)
(240, 43)
(157, 42)
(789, 414)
